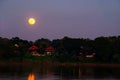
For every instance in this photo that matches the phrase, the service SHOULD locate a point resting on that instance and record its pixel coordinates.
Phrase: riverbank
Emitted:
(59, 64)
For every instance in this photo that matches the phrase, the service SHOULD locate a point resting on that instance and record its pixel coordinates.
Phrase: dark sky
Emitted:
(58, 18)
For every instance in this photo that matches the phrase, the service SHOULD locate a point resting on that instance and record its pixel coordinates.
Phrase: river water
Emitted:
(45, 72)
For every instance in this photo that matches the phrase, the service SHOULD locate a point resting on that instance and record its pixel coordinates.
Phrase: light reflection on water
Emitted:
(32, 72)
(31, 76)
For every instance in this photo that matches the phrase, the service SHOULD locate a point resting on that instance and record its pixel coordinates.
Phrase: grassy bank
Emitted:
(58, 64)
(52, 60)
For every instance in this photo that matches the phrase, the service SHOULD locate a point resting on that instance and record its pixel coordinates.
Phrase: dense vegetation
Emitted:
(107, 49)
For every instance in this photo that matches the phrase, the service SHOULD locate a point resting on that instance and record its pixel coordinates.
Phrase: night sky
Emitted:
(58, 18)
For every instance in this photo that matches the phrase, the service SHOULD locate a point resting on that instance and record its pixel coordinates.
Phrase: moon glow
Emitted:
(31, 21)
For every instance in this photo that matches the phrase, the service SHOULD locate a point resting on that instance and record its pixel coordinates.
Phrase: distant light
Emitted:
(16, 45)
(31, 21)
(89, 56)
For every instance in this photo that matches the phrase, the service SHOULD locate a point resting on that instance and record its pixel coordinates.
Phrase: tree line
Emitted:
(106, 49)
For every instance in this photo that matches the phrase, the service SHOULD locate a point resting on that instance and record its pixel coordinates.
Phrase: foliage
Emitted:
(67, 49)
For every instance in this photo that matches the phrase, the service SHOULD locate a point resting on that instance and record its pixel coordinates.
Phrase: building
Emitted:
(34, 50)
(49, 50)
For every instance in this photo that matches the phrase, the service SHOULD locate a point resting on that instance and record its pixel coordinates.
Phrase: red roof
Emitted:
(50, 48)
(32, 48)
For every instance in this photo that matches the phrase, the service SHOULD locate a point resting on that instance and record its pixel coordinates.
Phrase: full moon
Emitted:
(31, 21)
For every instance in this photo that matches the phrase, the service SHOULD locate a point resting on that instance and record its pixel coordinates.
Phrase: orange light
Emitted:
(31, 77)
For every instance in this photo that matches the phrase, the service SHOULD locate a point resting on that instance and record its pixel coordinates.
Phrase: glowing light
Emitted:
(31, 77)
(31, 21)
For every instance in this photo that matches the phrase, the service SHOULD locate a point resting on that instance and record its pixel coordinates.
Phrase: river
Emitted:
(45, 72)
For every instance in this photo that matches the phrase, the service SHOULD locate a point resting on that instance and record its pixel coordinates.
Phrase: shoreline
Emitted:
(60, 64)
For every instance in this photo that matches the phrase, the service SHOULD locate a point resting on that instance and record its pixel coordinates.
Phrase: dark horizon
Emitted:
(56, 19)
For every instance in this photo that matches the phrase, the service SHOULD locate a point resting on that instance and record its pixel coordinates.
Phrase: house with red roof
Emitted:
(34, 50)
(49, 50)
